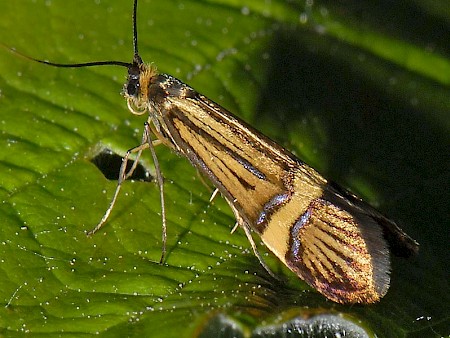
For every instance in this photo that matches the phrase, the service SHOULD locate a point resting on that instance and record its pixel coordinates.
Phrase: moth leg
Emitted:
(248, 233)
(256, 252)
(150, 144)
(138, 156)
(122, 176)
(236, 225)
(213, 195)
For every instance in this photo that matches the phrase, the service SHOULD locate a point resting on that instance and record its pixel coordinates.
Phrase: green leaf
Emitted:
(360, 91)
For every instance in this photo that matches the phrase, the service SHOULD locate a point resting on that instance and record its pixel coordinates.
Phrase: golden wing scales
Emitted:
(346, 260)
(210, 143)
(326, 236)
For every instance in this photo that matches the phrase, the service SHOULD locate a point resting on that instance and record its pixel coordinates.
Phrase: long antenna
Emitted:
(136, 58)
(135, 32)
(78, 65)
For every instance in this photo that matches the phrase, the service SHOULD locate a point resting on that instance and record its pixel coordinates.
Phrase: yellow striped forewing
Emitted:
(326, 236)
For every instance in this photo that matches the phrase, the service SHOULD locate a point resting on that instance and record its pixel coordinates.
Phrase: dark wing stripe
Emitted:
(322, 247)
(269, 209)
(212, 146)
(248, 135)
(215, 155)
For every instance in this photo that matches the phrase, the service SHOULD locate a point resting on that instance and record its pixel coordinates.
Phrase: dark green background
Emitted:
(358, 90)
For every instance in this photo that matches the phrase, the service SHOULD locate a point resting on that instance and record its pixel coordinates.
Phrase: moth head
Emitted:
(135, 89)
(132, 86)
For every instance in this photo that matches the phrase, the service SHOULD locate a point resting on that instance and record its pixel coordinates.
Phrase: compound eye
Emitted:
(132, 88)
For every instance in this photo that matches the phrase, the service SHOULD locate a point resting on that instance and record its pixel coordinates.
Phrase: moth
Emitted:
(328, 237)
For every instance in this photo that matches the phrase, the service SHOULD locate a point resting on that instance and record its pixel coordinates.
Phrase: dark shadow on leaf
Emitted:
(109, 163)
(430, 29)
